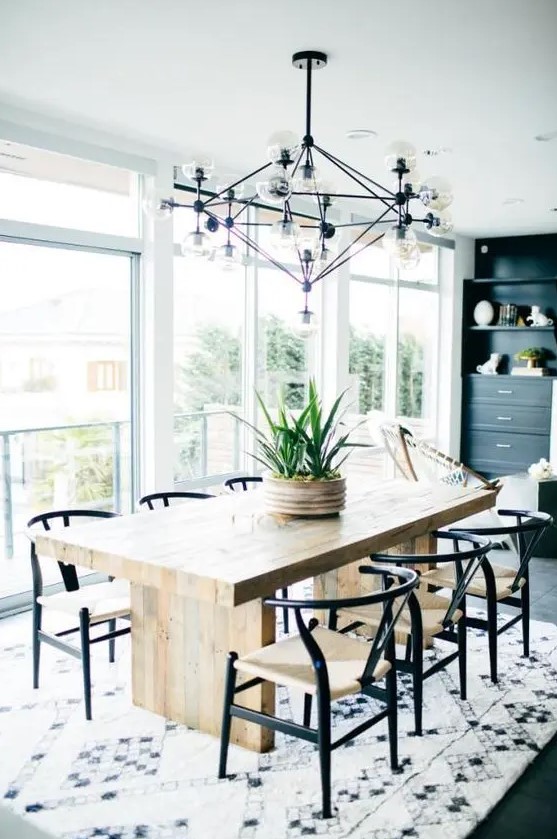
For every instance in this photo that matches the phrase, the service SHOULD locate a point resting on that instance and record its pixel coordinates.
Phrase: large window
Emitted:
(393, 343)
(65, 419)
(209, 317)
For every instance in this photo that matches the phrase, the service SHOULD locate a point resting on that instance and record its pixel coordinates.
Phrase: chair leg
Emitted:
(324, 744)
(461, 633)
(418, 679)
(230, 686)
(307, 709)
(417, 641)
(85, 659)
(112, 641)
(491, 607)
(285, 623)
(37, 614)
(525, 599)
(393, 717)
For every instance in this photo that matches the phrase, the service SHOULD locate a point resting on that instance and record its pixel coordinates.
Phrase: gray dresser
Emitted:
(506, 422)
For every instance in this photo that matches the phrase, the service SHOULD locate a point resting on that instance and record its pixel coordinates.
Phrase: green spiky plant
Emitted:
(309, 447)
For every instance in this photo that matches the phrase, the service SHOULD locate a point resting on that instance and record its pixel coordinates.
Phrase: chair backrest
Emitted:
(156, 500)
(44, 521)
(467, 563)
(397, 587)
(243, 483)
(529, 527)
(418, 460)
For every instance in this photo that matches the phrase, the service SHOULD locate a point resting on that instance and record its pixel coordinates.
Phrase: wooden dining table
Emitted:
(199, 571)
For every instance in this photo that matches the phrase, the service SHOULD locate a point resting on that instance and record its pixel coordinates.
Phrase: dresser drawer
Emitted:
(494, 416)
(500, 448)
(511, 390)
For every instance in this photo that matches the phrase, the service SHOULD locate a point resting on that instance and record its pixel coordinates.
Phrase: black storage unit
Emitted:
(506, 419)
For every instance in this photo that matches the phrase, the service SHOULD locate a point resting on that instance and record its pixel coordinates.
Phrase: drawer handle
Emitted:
(505, 419)
(503, 445)
(504, 391)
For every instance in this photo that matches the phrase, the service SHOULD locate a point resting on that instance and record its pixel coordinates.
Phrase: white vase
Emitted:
(483, 313)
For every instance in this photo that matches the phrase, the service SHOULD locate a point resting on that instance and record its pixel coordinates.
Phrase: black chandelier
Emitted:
(303, 245)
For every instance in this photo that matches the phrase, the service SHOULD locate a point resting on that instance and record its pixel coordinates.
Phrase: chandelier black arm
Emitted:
(340, 163)
(239, 234)
(237, 183)
(245, 205)
(366, 197)
(363, 223)
(349, 257)
(317, 193)
(348, 174)
(297, 163)
(335, 263)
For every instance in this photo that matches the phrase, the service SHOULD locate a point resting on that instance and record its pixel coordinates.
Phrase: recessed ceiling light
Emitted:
(511, 201)
(361, 134)
(545, 138)
(437, 152)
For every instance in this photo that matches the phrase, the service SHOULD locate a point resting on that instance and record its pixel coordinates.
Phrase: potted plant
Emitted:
(303, 455)
(531, 355)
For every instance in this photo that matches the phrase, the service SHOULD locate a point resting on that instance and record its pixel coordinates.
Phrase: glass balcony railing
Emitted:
(89, 465)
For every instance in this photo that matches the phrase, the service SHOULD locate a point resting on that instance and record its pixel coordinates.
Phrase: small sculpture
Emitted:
(541, 471)
(538, 318)
(489, 367)
(484, 313)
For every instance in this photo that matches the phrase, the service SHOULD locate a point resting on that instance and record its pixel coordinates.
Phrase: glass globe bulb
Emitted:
(327, 191)
(277, 188)
(408, 259)
(445, 224)
(324, 257)
(400, 151)
(397, 240)
(282, 146)
(230, 194)
(306, 325)
(284, 236)
(228, 256)
(436, 193)
(200, 163)
(309, 239)
(155, 204)
(306, 179)
(411, 179)
(196, 244)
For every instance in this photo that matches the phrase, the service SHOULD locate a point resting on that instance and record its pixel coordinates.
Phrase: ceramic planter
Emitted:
(304, 498)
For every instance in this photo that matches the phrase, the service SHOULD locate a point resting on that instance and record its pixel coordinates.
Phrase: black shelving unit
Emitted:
(506, 418)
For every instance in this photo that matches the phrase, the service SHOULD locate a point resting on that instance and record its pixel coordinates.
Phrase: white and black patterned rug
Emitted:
(129, 774)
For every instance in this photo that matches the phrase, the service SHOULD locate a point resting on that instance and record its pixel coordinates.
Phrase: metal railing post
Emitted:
(204, 456)
(236, 453)
(117, 467)
(7, 498)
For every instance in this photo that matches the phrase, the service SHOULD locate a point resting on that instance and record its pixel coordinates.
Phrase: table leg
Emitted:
(179, 648)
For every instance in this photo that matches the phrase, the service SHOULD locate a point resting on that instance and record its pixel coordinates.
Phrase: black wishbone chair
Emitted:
(91, 604)
(156, 500)
(327, 665)
(242, 483)
(502, 583)
(427, 615)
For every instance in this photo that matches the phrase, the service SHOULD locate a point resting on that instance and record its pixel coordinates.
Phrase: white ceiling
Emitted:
(476, 76)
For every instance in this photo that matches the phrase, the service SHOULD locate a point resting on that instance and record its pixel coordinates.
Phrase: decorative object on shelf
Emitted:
(537, 318)
(532, 355)
(520, 321)
(489, 367)
(508, 314)
(303, 455)
(484, 313)
(541, 471)
(305, 249)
